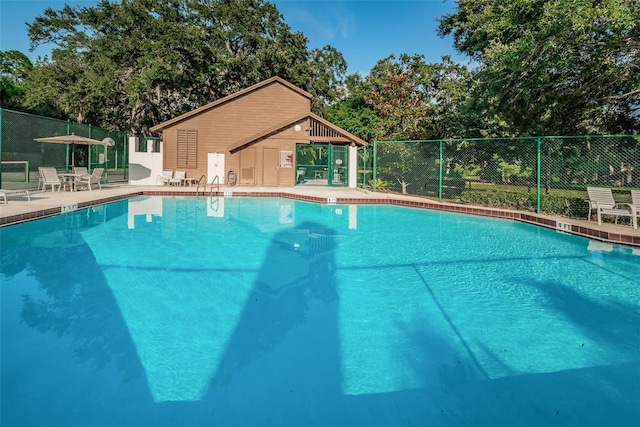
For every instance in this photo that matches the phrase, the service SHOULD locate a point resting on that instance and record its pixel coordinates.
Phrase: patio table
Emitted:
(71, 179)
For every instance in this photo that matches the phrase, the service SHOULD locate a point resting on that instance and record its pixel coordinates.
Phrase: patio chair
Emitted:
(80, 170)
(178, 178)
(601, 200)
(5, 193)
(635, 201)
(301, 174)
(88, 180)
(40, 179)
(50, 177)
(165, 177)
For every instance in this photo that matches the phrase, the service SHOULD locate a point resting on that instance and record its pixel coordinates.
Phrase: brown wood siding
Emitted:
(222, 127)
(283, 176)
(248, 166)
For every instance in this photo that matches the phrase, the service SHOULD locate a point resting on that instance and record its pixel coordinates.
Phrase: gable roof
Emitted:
(229, 98)
(292, 121)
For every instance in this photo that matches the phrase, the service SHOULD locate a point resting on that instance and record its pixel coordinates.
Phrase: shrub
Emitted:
(562, 205)
(549, 204)
(500, 199)
(380, 184)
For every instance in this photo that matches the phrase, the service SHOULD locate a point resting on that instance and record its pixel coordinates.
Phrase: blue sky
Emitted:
(364, 31)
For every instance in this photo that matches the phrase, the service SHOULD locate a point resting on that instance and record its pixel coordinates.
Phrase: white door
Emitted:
(215, 167)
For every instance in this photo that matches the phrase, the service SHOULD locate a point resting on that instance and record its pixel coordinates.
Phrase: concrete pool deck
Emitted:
(19, 209)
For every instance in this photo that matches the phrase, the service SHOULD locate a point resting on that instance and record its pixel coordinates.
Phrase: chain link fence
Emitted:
(21, 155)
(537, 174)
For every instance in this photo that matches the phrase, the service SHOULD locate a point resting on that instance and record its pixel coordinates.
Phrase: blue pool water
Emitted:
(260, 311)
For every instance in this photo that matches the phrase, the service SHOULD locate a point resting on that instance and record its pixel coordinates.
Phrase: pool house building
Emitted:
(264, 135)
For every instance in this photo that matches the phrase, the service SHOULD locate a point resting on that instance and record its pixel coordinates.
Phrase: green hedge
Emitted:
(550, 204)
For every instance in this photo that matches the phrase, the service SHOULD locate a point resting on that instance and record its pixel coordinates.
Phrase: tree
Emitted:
(133, 64)
(403, 109)
(326, 71)
(16, 71)
(441, 91)
(354, 115)
(14, 68)
(561, 67)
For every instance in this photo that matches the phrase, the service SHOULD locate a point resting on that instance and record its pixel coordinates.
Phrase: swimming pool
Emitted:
(266, 311)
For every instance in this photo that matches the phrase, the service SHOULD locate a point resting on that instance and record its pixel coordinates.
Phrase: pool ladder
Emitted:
(216, 179)
(202, 181)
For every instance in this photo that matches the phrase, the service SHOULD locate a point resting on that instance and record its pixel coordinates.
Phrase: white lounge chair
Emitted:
(635, 201)
(601, 200)
(178, 178)
(5, 193)
(50, 177)
(88, 180)
(165, 177)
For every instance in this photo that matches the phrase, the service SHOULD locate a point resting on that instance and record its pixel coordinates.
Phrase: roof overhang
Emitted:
(344, 136)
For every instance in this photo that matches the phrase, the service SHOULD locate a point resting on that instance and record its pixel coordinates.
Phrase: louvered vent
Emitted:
(318, 129)
(187, 148)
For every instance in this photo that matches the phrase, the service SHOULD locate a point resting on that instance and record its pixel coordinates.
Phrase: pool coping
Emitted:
(609, 233)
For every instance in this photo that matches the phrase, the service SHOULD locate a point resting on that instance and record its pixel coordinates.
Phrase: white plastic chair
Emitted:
(178, 178)
(40, 179)
(88, 180)
(5, 193)
(635, 202)
(81, 170)
(165, 177)
(50, 177)
(601, 200)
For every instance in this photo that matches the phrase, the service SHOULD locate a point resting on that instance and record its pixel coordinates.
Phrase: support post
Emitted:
(374, 177)
(440, 178)
(539, 169)
(0, 147)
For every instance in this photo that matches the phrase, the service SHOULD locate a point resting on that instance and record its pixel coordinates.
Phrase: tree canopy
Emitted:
(135, 63)
(538, 67)
(14, 68)
(562, 67)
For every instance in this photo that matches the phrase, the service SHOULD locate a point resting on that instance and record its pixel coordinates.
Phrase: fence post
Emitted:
(539, 169)
(0, 147)
(89, 150)
(440, 174)
(375, 165)
(364, 162)
(125, 157)
(66, 159)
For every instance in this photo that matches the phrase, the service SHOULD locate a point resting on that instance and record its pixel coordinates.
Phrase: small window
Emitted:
(143, 144)
(187, 148)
